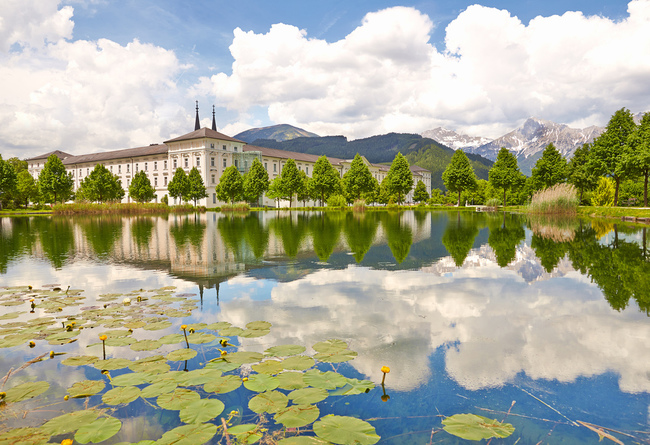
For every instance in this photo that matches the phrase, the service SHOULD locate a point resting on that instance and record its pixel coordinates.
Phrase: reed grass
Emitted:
(236, 207)
(122, 209)
(359, 205)
(558, 199)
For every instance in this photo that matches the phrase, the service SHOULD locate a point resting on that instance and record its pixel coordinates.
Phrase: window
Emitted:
(80, 173)
(111, 169)
(127, 167)
(224, 147)
(165, 181)
(211, 162)
(265, 167)
(234, 148)
(235, 162)
(214, 198)
(211, 145)
(137, 169)
(307, 170)
(187, 162)
(198, 161)
(213, 179)
(175, 164)
(87, 171)
(164, 165)
(146, 167)
(119, 169)
(224, 163)
(275, 167)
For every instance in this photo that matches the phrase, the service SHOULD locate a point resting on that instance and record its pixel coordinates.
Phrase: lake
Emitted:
(540, 323)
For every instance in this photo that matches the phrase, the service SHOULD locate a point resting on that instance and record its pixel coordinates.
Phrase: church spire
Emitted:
(197, 123)
(214, 121)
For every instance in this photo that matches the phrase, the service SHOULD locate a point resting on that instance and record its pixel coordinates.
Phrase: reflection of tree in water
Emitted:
(231, 229)
(186, 229)
(400, 236)
(101, 232)
(141, 230)
(325, 232)
(16, 238)
(291, 231)
(504, 238)
(548, 251)
(360, 231)
(459, 237)
(257, 236)
(56, 237)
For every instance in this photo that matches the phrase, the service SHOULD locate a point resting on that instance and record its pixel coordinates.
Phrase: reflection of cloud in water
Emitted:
(494, 324)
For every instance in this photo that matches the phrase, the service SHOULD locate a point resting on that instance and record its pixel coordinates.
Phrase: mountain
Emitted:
(455, 140)
(282, 132)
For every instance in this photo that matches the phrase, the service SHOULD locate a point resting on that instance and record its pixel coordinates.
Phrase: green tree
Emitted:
(304, 193)
(26, 188)
(197, 187)
(458, 239)
(292, 182)
(325, 233)
(637, 157)
(609, 149)
(505, 173)
(398, 234)
(325, 180)
(179, 186)
(505, 238)
(275, 191)
(357, 180)
(19, 164)
(256, 182)
(578, 171)
(550, 169)
(399, 178)
(7, 180)
(140, 189)
(604, 193)
(420, 193)
(459, 174)
(54, 184)
(231, 185)
(101, 185)
(360, 230)
(436, 197)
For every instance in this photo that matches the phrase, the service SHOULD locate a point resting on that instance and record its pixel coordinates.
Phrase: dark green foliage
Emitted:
(256, 182)
(231, 185)
(399, 180)
(26, 188)
(360, 234)
(231, 229)
(57, 239)
(420, 193)
(291, 232)
(550, 169)
(141, 230)
(291, 182)
(187, 229)
(325, 233)
(54, 184)
(458, 238)
(358, 179)
(459, 174)
(179, 186)
(196, 189)
(325, 180)
(400, 236)
(100, 186)
(578, 171)
(8, 181)
(504, 239)
(505, 173)
(102, 233)
(256, 234)
(637, 154)
(140, 188)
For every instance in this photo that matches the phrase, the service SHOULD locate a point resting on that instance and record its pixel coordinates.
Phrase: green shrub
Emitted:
(165, 200)
(236, 207)
(337, 201)
(603, 195)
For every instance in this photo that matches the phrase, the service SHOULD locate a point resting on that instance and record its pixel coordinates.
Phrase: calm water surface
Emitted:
(473, 313)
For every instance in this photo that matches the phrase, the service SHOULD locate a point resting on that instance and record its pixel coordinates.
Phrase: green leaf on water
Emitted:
(181, 354)
(112, 364)
(158, 389)
(354, 386)
(120, 341)
(198, 377)
(98, 430)
(306, 396)
(26, 391)
(259, 325)
(156, 364)
(268, 367)
(247, 433)
(80, 360)
(330, 346)
(200, 338)
(302, 440)
(24, 436)
(296, 416)
(194, 434)
(223, 384)
(86, 388)
(261, 383)
(325, 380)
(201, 410)
(120, 395)
(178, 399)
(221, 365)
(172, 339)
(285, 350)
(231, 331)
(243, 357)
(473, 427)
(336, 357)
(298, 363)
(291, 380)
(136, 324)
(218, 326)
(66, 423)
(116, 333)
(131, 379)
(345, 430)
(157, 325)
(268, 402)
(146, 345)
(254, 333)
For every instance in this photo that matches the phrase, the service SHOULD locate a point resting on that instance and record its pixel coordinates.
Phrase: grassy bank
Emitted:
(614, 212)
(122, 209)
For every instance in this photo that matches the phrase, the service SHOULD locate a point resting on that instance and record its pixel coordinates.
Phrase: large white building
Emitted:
(210, 151)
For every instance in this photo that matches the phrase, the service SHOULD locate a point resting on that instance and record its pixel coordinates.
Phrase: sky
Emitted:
(84, 76)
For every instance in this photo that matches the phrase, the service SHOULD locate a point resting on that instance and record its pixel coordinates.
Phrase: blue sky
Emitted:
(92, 75)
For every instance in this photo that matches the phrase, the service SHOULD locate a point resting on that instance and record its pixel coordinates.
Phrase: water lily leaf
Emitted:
(268, 367)
(246, 433)
(298, 363)
(24, 436)
(112, 364)
(222, 365)
(157, 325)
(354, 386)
(223, 384)
(197, 326)
(11, 315)
(175, 313)
(153, 365)
(473, 427)
(131, 379)
(181, 354)
(158, 389)
(253, 333)
(345, 430)
(198, 377)
(69, 422)
(330, 346)
(296, 416)
(201, 411)
(136, 324)
(218, 326)
(172, 339)
(178, 399)
(261, 383)
(194, 434)
(291, 380)
(200, 338)
(99, 430)
(231, 331)
(285, 350)
(258, 325)
(325, 380)
(80, 360)
(62, 337)
(14, 340)
(122, 394)
(336, 357)
(86, 388)
(302, 440)
(26, 391)
(268, 402)
(146, 345)
(120, 341)
(306, 396)
(243, 357)
(116, 333)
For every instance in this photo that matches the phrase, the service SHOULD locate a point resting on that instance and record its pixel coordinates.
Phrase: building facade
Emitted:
(211, 152)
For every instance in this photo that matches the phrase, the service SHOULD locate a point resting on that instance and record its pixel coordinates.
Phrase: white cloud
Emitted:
(496, 71)
(33, 23)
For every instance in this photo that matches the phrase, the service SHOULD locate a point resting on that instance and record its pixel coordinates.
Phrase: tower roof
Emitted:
(203, 133)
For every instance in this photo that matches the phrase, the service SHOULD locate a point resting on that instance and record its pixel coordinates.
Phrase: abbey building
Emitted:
(210, 151)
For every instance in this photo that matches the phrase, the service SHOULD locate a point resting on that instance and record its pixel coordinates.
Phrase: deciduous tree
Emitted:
(578, 171)
(291, 180)
(179, 186)
(7, 180)
(357, 180)
(505, 173)
(140, 188)
(550, 169)
(420, 193)
(231, 185)
(54, 183)
(196, 188)
(399, 178)
(101, 185)
(637, 157)
(256, 182)
(459, 174)
(325, 180)
(26, 188)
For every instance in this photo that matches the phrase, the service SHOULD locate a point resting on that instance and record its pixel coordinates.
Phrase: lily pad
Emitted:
(254, 333)
(201, 338)
(473, 427)
(261, 383)
(268, 402)
(325, 380)
(285, 350)
(172, 339)
(268, 367)
(345, 430)
(80, 360)
(98, 430)
(153, 365)
(296, 416)
(120, 395)
(201, 410)
(291, 380)
(258, 325)
(218, 326)
(181, 354)
(247, 433)
(298, 363)
(194, 434)
(66, 423)
(24, 436)
(306, 396)
(354, 386)
(146, 345)
(86, 388)
(243, 357)
(336, 357)
(131, 379)
(157, 326)
(26, 391)
(158, 389)
(178, 399)
(231, 331)
(112, 364)
(302, 440)
(223, 384)
(198, 377)
(222, 365)
(120, 341)
(116, 333)
(330, 346)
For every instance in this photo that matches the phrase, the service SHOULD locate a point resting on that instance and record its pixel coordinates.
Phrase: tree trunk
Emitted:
(618, 182)
(458, 205)
(504, 197)
(645, 190)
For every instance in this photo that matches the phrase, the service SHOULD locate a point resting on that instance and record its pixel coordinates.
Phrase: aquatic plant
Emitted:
(558, 199)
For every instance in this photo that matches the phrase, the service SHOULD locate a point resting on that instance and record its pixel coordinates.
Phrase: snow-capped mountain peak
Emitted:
(455, 140)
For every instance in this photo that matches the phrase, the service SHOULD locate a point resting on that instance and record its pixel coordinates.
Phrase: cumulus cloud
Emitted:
(494, 72)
